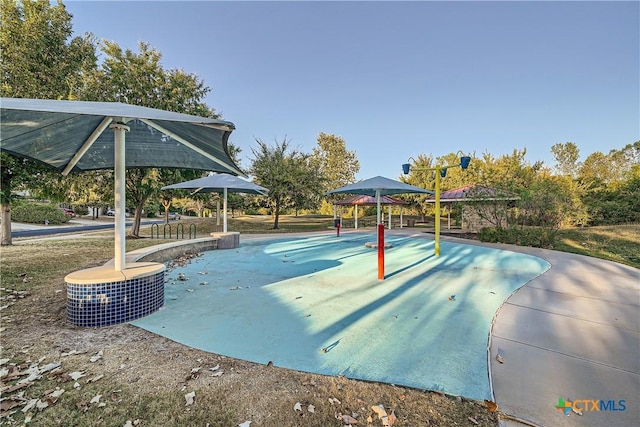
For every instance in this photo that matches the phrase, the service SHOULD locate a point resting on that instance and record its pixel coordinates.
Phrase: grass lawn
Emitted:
(619, 243)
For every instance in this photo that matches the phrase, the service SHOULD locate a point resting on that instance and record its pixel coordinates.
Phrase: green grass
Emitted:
(619, 243)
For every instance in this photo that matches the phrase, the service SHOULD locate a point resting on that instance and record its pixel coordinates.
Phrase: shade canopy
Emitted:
(217, 183)
(379, 185)
(363, 200)
(76, 135)
(83, 135)
(220, 183)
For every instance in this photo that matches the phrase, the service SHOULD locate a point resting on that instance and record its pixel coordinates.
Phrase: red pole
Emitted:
(338, 229)
(380, 251)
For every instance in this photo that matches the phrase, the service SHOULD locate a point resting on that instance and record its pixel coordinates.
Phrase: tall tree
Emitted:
(285, 172)
(566, 156)
(338, 165)
(335, 164)
(39, 60)
(140, 79)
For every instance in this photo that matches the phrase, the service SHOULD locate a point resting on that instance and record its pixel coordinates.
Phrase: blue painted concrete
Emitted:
(314, 304)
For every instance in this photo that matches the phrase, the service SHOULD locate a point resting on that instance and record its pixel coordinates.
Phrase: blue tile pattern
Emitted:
(104, 304)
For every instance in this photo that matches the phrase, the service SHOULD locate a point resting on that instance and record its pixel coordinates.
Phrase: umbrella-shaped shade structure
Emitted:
(82, 135)
(364, 200)
(220, 183)
(77, 135)
(379, 186)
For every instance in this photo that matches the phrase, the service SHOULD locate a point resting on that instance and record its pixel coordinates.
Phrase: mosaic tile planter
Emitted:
(102, 296)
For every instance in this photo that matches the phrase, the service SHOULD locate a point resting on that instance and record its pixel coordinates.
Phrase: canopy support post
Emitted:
(224, 208)
(119, 130)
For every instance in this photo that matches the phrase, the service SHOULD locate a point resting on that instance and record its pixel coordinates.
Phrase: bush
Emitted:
(38, 213)
(529, 236)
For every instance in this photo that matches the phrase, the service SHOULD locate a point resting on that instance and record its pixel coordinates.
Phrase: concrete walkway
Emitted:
(571, 333)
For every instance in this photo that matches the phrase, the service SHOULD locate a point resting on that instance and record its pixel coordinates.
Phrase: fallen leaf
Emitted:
(30, 405)
(72, 352)
(76, 385)
(76, 375)
(49, 367)
(491, 406)
(392, 418)
(42, 404)
(94, 379)
(12, 388)
(8, 404)
(335, 401)
(245, 424)
(369, 419)
(347, 419)
(189, 398)
(56, 393)
(311, 409)
(96, 398)
(499, 358)
(379, 410)
(473, 420)
(215, 368)
(217, 374)
(297, 406)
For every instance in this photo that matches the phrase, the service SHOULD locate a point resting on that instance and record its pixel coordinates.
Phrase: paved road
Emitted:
(74, 226)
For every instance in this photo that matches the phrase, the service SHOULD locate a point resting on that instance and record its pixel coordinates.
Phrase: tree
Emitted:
(338, 165)
(335, 164)
(566, 156)
(140, 79)
(39, 60)
(286, 173)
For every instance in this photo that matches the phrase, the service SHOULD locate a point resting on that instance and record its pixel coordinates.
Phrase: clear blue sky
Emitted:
(399, 79)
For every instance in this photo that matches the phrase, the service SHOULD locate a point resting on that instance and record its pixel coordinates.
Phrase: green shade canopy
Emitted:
(220, 183)
(377, 187)
(76, 135)
(83, 135)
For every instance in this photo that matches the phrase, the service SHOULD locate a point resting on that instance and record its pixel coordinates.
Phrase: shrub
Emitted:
(38, 213)
(528, 236)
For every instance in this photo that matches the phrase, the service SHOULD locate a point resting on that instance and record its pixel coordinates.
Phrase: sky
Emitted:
(399, 79)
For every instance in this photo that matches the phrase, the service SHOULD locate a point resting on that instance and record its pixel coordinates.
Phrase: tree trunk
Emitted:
(166, 210)
(6, 224)
(277, 214)
(135, 229)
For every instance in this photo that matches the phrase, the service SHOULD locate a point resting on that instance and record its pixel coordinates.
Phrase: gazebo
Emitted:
(473, 193)
(364, 200)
